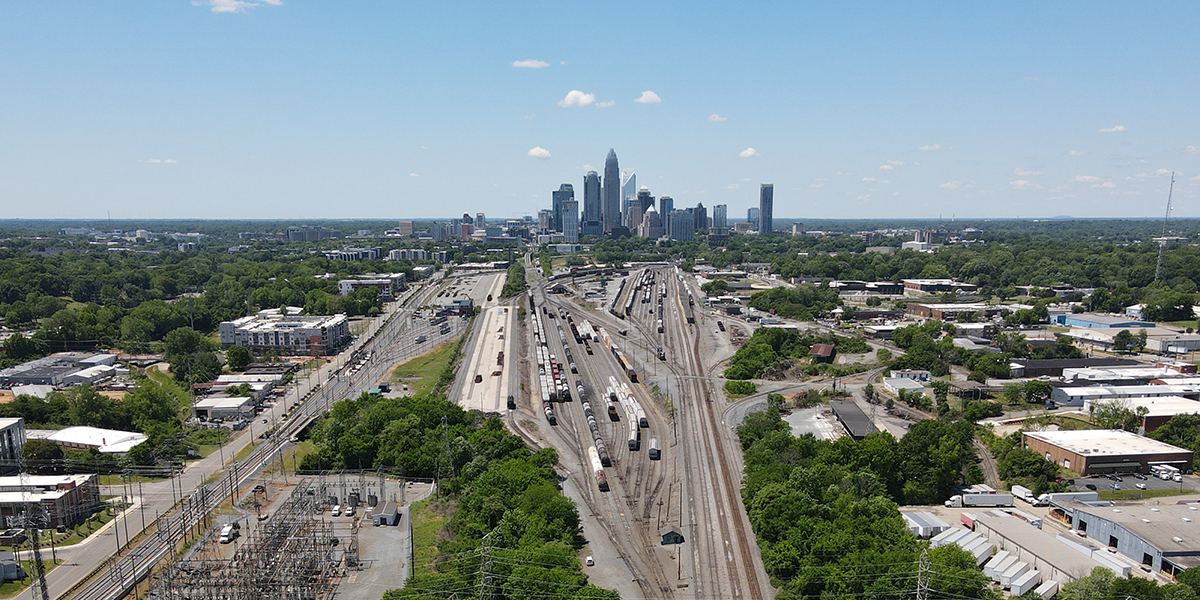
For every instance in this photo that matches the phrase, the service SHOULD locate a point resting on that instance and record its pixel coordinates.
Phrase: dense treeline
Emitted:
(501, 489)
(805, 302)
(514, 282)
(929, 346)
(826, 513)
(770, 346)
(1102, 583)
(1182, 431)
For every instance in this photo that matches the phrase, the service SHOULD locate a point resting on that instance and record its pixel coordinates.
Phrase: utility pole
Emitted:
(486, 585)
(923, 576)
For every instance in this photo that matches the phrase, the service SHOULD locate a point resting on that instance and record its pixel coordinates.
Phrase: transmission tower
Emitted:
(31, 518)
(1162, 241)
(923, 576)
(486, 585)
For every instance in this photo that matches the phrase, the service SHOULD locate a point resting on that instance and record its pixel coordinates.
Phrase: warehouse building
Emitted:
(1094, 451)
(1053, 367)
(951, 312)
(105, 441)
(1159, 409)
(936, 286)
(64, 499)
(1085, 395)
(1165, 537)
(222, 408)
(12, 442)
(895, 384)
(1055, 558)
(274, 331)
(1094, 321)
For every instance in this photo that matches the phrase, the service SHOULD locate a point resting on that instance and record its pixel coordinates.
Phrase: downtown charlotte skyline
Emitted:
(267, 108)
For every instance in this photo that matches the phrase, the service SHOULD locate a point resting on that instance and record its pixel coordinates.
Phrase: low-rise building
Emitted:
(222, 408)
(348, 286)
(1158, 410)
(937, 286)
(1095, 451)
(895, 384)
(1053, 367)
(106, 441)
(1096, 321)
(1164, 537)
(1088, 395)
(951, 312)
(64, 499)
(271, 330)
(1054, 557)
(852, 417)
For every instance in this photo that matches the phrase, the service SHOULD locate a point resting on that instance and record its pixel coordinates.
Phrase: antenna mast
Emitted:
(1162, 241)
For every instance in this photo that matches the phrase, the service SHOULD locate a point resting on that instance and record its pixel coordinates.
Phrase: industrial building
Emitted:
(1086, 395)
(387, 514)
(1132, 375)
(222, 408)
(272, 330)
(1094, 321)
(950, 312)
(58, 369)
(1164, 537)
(1093, 451)
(1055, 558)
(936, 286)
(1053, 367)
(1159, 409)
(106, 441)
(856, 422)
(64, 499)
(895, 384)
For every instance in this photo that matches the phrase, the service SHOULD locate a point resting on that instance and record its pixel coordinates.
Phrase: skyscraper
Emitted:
(666, 204)
(480, 221)
(701, 215)
(752, 215)
(570, 220)
(720, 216)
(637, 208)
(766, 204)
(682, 225)
(611, 202)
(565, 192)
(628, 192)
(593, 215)
(651, 226)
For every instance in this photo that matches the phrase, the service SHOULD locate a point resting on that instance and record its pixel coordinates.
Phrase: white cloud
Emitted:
(414, 174)
(894, 162)
(170, 161)
(1189, 149)
(747, 179)
(864, 197)
(1106, 184)
(153, 160)
(530, 116)
(1025, 172)
(588, 168)
(732, 186)
(930, 148)
(715, 118)
(1076, 152)
(748, 152)
(821, 185)
(950, 185)
(1022, 184)
(531, 63)
(576, 98)
(869, 179)
(1196, 178)
(1163, 172)
(606, 104)
(1113, 129)
(648, 97)
(234, 6)
(1031, 78)
(562, 62)
(538, 152)
(1086, 178)
(895, 193)
(886, 167)
(1138, 177)
(159, 161)
(424, 147)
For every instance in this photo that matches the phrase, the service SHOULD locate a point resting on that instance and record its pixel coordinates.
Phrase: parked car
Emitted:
(337, 510)
(589, 562)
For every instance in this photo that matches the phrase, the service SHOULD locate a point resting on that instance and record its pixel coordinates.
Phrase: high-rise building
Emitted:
(593, 215)
(720, 215)
(480, 221)
(565, 192)
(766, 204)
(570, 220)
(666, 204)
(467, 218)
(545, 220)
(651, 226)
(629, 191)
(682, 225)
(611, 201)
(752, 215)
(637, 208)
(701, 215)
(438, 231)
(405, 228)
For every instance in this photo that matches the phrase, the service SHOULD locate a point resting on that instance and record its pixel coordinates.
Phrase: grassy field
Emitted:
(1139, 494)
(428, 516)
(9, 589)
(423, 370)
(172, 387)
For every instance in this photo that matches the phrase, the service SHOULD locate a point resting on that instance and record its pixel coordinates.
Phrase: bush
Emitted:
(739, 389)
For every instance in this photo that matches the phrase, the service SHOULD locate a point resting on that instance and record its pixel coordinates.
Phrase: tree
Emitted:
(1123, 341)
(41, 456)
(238, 358)
(869, 392)
(19, 347)
(941, 392)
(1038, 391)
(1115, 414)
(775, 401)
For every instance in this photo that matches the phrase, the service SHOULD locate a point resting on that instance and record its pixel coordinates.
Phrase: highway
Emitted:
(182, 503)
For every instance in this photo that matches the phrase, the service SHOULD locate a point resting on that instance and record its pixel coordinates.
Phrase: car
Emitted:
(1140, 486)
(1115, 486)
(337, 510)
(479, 379)
(349, 511)
(589, 562)
(1140, 476)
(1090, 487)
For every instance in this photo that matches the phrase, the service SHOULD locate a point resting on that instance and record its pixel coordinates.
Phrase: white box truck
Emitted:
(962, 500)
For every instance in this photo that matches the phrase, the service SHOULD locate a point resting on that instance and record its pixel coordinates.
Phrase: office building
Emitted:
(611, 192)
(798, 229)
(701, 215)
(682, 225)
(274, 331)
(720, 216)
(593, 214)
(384, 286)
(766, 206)
(64, 499)
(651, 226)
(1092, 451)
(480, 221)
(305, 233)
(633, 216)
(404, 228)
(545, 220)
(629, 191)
(570, 220)
(565, 192)
(666, 205)
(466, 218)
(752, 216)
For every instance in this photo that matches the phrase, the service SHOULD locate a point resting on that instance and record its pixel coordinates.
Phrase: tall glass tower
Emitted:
(612, 192)
(565, 192)
(766, 206)
(593, 214)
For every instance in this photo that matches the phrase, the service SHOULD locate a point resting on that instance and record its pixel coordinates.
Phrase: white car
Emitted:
(589, 562)
(349, 511)
(1140, 486)
(337, 510)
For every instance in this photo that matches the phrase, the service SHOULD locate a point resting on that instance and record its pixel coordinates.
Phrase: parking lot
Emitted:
(1133, 482)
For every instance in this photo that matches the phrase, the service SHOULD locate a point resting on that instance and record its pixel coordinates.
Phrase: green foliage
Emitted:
(715, 287)
(770, 345)
(40, 456)
(826, 517)
(1116, 414)
(514, 283)
(1102, 583)
(974, 410)
(805, 302)
(546, 261)
(238, 357)
(1182, 431)
(738, 389)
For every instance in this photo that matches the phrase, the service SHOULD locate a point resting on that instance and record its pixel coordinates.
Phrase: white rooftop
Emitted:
(107, 441)
(1103, 442)
(1162, 406)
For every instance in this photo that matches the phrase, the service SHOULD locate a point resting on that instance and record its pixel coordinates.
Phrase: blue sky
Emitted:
(305, 109)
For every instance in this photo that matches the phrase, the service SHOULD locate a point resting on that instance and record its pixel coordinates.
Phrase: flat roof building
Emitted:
(1164, 537)
(936, 286)
(1159, 409)
(1053, 367)
(1094, 321)
(1091, 451)
(856, 422)
(225, 409)
(1087, 394)
(1053, 557)
(895, 384)
(271, 330)
(64, 499)
(106, 441)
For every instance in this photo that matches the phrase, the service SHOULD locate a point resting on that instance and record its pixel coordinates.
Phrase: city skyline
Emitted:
(232, 109)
